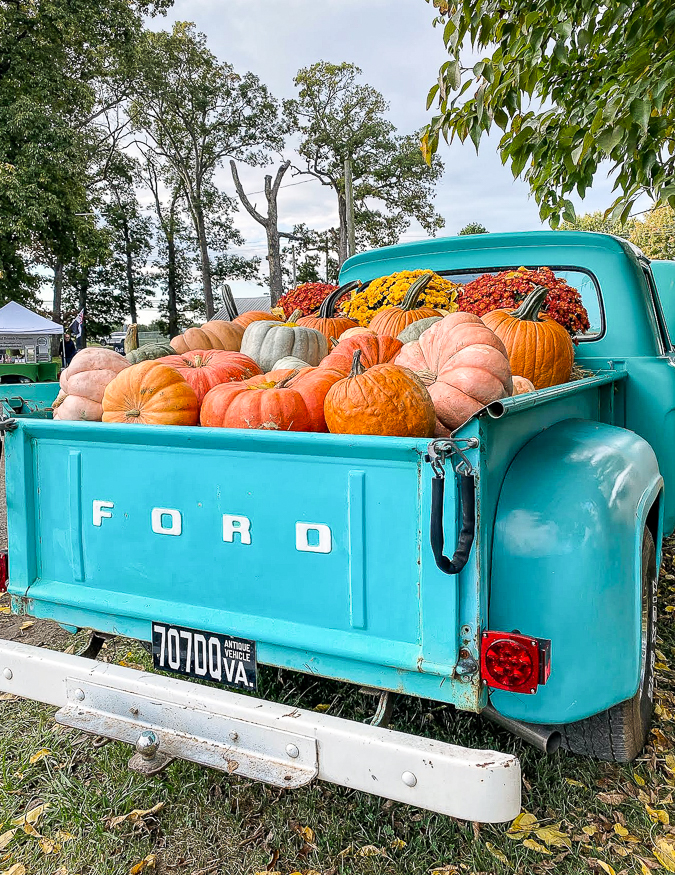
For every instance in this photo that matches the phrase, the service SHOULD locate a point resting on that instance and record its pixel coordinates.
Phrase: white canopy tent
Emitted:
(21, 329)
(15, 319)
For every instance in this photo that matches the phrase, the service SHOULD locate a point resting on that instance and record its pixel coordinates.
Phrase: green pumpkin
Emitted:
(416, 329)
(149, 352)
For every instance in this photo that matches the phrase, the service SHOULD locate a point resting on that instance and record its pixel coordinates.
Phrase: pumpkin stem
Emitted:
(530, 307)
(295, 315)
(415, 290)
(327, 308)
(333, 342)
(357, 366)
(131, 340)
(287, 379)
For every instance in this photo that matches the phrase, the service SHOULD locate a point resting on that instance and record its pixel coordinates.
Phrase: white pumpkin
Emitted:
(267, 342)
(290, 361)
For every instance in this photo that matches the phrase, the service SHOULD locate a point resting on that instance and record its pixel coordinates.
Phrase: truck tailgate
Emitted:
(315, 546)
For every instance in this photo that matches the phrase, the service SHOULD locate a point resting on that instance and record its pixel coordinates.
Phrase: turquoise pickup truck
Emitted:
(509, 569)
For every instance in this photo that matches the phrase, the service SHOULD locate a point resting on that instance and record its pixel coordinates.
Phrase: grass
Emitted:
(212, 823)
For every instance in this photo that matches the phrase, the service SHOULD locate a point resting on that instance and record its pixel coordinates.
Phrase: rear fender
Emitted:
(566, 564)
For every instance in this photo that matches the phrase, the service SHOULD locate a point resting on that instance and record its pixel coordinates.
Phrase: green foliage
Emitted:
(473, 228)
(570, 83)
(599, 223)
(338, 117)
(57, 60)
(193, 111)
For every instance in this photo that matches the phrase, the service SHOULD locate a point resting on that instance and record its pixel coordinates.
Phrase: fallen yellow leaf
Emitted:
(5, 609)
(605, 867)
(6, 838)
(136, 815)
(41, 754)
(590, 830)
(27, 821)
(620, 830)
(445, 870)
(146, 863)
(398, 844)
(670, 762)
(535, 846)
(64, 836)
(657, 815)
(551, 835)
(639, 780)
(49, 846)
(8, 697)
(321, 708)
(496, 853)
(665, 854)
(307, 833)
(371, 851)
(574, 783)
(16, 869)
(644, 869)
(524, 823)
(27, 625)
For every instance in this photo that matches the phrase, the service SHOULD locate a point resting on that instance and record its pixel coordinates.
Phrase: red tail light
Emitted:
(4, 572)
(510, 661)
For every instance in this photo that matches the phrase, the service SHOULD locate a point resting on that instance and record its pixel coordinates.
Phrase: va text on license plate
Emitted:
(210, 656)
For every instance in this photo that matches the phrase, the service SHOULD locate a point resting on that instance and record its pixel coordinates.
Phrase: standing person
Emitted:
(69, 349)
(76, 328)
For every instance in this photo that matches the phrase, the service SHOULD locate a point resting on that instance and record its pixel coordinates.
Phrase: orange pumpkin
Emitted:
(392, 320)
(216, 334)
(205, 368)
(375, 350)
(245, 319)
(521, 386)
(325, 320)
(463, 364)
(538, 347)
(150, 393)
(281, 400)
(384, 400)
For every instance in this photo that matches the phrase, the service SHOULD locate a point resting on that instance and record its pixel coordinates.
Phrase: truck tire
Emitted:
(619, 734)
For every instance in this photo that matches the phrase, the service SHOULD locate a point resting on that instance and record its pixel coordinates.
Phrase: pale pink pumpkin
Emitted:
(464, 366)
(84, 382)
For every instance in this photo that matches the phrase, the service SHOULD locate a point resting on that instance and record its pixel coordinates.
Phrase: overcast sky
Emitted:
(399, 51)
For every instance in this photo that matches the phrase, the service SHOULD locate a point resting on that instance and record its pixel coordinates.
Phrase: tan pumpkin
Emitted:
(216, 334)
(464, 365)
(392, 320)
(383, 400)
(354, 332)
(84, 381)
(521, 386)
(538, 347)
(150, 393)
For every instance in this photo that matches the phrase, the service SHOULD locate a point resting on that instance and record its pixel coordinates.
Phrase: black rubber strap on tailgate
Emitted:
(467, 501)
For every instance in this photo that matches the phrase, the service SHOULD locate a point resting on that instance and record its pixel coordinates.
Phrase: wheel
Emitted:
(103, 341)
(619, 734)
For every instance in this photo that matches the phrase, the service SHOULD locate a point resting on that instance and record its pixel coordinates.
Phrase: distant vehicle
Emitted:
(114, 339)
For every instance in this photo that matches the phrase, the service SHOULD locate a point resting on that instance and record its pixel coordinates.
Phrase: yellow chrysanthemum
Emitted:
(389, 291)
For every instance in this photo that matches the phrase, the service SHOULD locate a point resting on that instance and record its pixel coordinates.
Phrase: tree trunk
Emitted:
(172, 276)
(130, 272)
(342, 212)
(205, 260)
(56, 304)
(274, 255)
(83, 289)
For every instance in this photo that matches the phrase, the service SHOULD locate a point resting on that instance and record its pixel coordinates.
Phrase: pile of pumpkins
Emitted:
(412, 373)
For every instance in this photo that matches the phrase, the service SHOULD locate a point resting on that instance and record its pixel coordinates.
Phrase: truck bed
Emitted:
(314, 546)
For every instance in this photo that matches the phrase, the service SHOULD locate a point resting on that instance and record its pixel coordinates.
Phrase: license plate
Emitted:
(207, 655)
